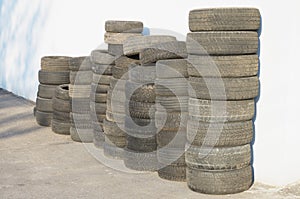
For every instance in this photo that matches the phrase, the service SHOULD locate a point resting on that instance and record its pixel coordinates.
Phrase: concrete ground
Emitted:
(36, 163)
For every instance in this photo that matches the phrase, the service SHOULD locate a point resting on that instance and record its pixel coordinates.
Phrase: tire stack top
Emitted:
(116, 35)
(223, 83)
(79, 90)
(171, 109)
(102, 73)
(54, 71)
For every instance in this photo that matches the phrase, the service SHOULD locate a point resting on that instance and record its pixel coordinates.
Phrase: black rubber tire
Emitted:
(140, 93)
(102, 69)
(99, 97)
(173, 68)
(98, 108)
(101, 79)
(171, 87)
(120, 72)
(124, 26)
(233, 88)
(218, 158)
(82, 135)
(118, 141)
(61, 116)
(81, 77)
(163, 51)
(43, 118)
(220, 182)
(143, 74)
(224, 19)
(81, 63)
(61, 105)
(134, 45)
(55, 63)
(102, 57)
(172, 104)
(54, 78)
(222, 43)
(126, 61)
(118, 38)
(140, 161)
(115, 49)
(62, 92)
(142, 110)
(210, 134)
(235, 110)
(223, 66)
(113, 152)
(173, 173)
(80, 105)
(46, 91)
(171, 139)
(61, 127)
(44, 105)
(80, 91)
(142, 144)
(96, 88)
(171, 121)
(112, 128)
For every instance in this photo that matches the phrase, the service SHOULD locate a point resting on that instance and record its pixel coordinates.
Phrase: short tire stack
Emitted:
(54, 72)
(81, 129)
(223, 81)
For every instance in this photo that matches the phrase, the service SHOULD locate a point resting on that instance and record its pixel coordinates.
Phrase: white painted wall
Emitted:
(76, 27)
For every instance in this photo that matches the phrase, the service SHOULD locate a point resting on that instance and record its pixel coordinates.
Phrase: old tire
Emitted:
(140, 161)
(61, 105)
(55, 63)
(172, 104)
(173, 68)
(101, 79)
(118, 38)
(102, 69)
(82, 135)
(141, 110)
(44, 105)
(173, 173)
(46, 91)
(115, 49)
(62, 92)
(61, 127)
(112, 128)
(141, 144)
(140, 93)
(43, 118)
(124, 26)
(171, 87)
(111, 151)
(81, 77)
(80, 63)
(102, 57)
(80, 105)
(143, 74)
(171, 121)
(54, 77)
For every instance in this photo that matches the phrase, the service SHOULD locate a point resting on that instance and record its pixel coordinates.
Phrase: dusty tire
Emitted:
(220, 182)
(43, 118)
(112, 128)
(211, 134)
(61, 116)
(120, 72)
(163, 51)
(102, 57)
(234, 110)
(61, 105)
(134, 45)
(118, 38)
(112, 151)
(224, 19)
(141, 144)
(171, 87)
(171, 121)
(99, 97)
(101, 79)
(115, 49)
(80, 91)
(46, 91)
(99, 137)
(233, 88)
(141, 110)
(80, 64)
(55, 63)
(218, 158)
(118, 141)
(173, 173)
(143, 74)
(82, 135)
(171, 156)
(140, 93)
(81, 77)
(102, 69)
(126, 62)
(124, 26)
(223, 66)
(222, 43)
(98, 108)
(61, 127)
(80, 118)
(172, 104)
(119, 118)
(44, 105)
(140, 161)
(54, 78)
(174, 68)
(62, 92)
(171, 139)
(96, 88)
(80, 105)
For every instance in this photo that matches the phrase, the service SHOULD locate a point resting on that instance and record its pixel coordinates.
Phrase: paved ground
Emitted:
(36, 163)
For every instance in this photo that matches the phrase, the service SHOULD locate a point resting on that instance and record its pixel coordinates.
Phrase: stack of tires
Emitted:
(140, 153)
(54, 71)
(116, 34)
(102, 73)
(61, 110)
(81, 129)
(223, 80)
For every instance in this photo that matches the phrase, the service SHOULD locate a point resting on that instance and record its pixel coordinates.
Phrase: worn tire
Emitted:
(61, 105)
(134, 45)
(119, 118)
(141, 144)
(141, 110)
(101, 79)
(140, 93)
(113, 152)
(118, 38)
(80, 91)
(140, 127)
(43, 118)
(44, 105)
(210, 134)
(99, 137)
(98, 97)
(62, 92)
(218, 158)
(163, 51)
(127, 61)
(171, 87)
(46, 91)
(171, 121)
(224, 19)
(102, 57)
(220, 182)
(140, 161)
(61, 127)
(81, 77)
(81, 63)
(96, 88)
(235, 110)
(172, 104)
(233, 88)
(173, 68)
(173, 173)
(55, 63)
(118, 141)
(102, 69)
(112, 129)
(223, 66)
(171, 139)
(80, 105)
(143, 74)
(171, 156)
(222, 43)
(82, 135)
(98, 108)
(115, 49)
(61, 116)
(54, 78)
(120, 72)
(124, 26)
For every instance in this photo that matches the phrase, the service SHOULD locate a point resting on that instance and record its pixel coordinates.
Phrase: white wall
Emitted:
(76, 27)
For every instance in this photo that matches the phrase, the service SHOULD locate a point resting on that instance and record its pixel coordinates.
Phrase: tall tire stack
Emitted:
(116, 34)
(81, 129)
(223, 85)
(61, 110)
(140, 153)
(102, 74)
(54, 71)
(171, 121)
